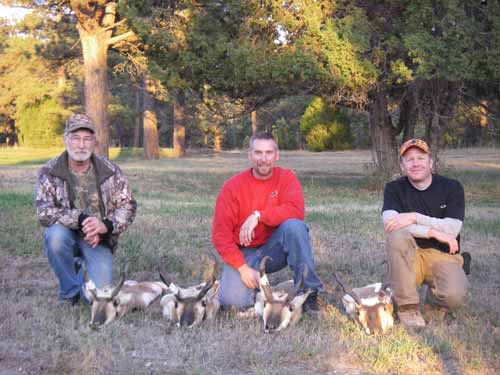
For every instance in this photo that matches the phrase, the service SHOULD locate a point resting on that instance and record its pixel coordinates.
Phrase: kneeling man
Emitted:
(85, 202)
(423, 214)
(260, 212)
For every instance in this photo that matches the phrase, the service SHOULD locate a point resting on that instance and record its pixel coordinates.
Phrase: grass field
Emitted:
(176, 197)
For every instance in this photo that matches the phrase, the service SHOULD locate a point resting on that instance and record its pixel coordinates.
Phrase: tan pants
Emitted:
(410, 266)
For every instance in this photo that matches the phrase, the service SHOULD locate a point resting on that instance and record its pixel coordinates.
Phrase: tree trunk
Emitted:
(138, 119)
(95, 27)
(151, 144)
(179, 139)
(96, 91)
(382, 131)
(443, 98)
(484, 113)
(217, 138)
(254, 122)
(408, 114)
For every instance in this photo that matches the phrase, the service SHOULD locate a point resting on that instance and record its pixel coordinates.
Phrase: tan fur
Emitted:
(375, 313)
(132, 295)
(202, 310)
(279, 314)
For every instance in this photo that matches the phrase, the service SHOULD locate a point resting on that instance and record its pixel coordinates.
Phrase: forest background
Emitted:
(190, 75)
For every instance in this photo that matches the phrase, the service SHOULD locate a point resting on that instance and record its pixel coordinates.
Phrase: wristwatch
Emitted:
(256, 214)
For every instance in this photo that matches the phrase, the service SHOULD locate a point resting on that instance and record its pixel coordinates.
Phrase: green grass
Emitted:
(173, 224)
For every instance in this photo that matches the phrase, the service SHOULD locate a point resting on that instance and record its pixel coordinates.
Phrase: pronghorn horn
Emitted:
(209, 283)
(294, 292)
(262, 265)
(347, 291)
(117, 289)
(266, 289)
(163, 278)
(206, 288)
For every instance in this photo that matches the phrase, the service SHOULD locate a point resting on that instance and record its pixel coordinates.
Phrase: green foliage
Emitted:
(286, 138)
(325, 127)
(41, 125)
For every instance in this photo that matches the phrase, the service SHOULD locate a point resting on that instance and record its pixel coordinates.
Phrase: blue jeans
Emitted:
(65, 250)
(288, 245)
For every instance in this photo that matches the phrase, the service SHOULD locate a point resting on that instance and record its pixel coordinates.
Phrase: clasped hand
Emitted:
(92, 227)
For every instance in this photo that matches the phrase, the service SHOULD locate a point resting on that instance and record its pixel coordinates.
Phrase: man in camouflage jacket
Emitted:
(85, 202)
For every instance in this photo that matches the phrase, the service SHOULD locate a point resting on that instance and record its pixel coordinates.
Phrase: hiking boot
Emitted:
(467, 259)
(410, 316)
(311, 305)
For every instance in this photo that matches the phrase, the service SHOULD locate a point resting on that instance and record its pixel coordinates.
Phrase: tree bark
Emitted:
(96, 21)
(179, 138)
(151, 144)
(254, 122)
(408, 114)
(95, 27)
(443, 96)
(382, 132)
(96, 91)
(217, 137)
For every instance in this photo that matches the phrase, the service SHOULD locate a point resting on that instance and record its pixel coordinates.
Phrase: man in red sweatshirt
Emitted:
(260, 212)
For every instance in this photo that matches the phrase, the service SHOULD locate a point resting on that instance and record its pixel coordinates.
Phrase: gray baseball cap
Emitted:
(78, 121)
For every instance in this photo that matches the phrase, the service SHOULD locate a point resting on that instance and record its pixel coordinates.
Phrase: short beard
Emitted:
(79, 157)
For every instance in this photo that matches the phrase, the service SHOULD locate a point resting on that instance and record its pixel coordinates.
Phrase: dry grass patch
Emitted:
(176, 198)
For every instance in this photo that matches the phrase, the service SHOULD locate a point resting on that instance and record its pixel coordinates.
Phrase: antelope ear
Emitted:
(174, 288)
(299, 300)
(89, 290)
(349, 304)
(264, 280)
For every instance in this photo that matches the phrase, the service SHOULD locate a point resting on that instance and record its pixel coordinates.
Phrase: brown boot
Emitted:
(410, 316)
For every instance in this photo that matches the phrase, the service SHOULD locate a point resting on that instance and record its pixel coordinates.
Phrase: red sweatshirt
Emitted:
(277, 199)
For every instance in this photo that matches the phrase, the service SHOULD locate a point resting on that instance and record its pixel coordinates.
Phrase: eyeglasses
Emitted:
(76, 140)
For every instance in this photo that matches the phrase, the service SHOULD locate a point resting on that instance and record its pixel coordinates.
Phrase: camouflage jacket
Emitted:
(55, 198)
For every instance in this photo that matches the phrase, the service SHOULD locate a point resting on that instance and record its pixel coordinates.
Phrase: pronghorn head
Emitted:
(188, 307)
(104, 302)
(370, 306)
(279, 308)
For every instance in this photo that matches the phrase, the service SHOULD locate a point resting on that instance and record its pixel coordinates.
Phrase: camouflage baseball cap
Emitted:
(418, 143)
(78, 121)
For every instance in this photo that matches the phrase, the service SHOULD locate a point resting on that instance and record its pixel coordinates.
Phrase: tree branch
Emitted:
(114, 25)
(119, 38)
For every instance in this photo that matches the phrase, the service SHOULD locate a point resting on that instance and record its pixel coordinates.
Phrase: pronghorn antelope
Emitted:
(189, 307)
(111, 301)
(279, 306)
(370, 306)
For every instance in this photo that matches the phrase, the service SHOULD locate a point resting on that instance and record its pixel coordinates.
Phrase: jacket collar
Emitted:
(61, 168)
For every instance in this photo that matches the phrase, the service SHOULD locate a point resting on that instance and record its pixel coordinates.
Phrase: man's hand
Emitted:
(247, 230)
(445, 238)
(249, 276)
(93, 228)
(400, 221)
(93, 240)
